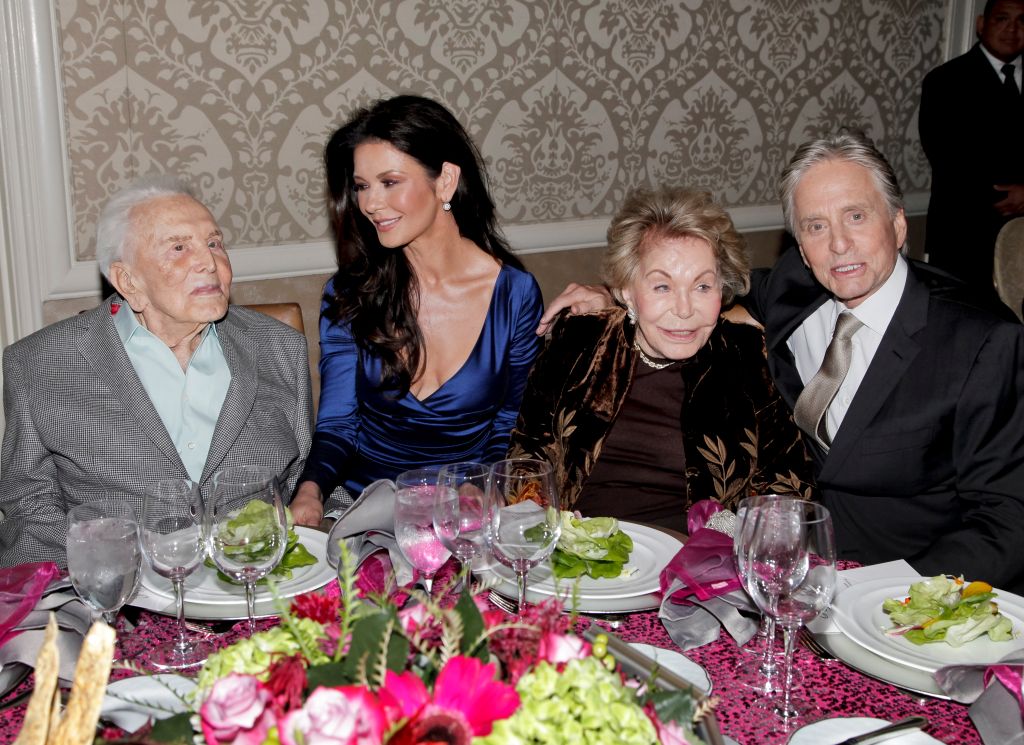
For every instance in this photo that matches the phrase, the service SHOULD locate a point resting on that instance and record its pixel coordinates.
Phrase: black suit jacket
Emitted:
(928, 464)
(973, 135)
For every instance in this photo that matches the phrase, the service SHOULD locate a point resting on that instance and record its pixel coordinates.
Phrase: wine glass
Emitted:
(103, 554)
(459, 508)
(414, 522)
(761, 677)
(246, 527)
(171, 536)
(523, 517)
(792, 559)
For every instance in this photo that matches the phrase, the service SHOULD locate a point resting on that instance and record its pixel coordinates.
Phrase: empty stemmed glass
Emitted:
(792, 562)
(171, 536)
(246, 527)
(103, 554)
(414, 523)
(762, 676)
(523, 516)
(459, 509)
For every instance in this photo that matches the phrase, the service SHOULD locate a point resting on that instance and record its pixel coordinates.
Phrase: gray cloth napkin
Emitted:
(994, 710)
(700, 623)
(368, 526)
(73, 619)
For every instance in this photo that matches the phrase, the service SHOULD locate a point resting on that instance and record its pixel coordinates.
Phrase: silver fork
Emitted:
(506, 604)
(809, 642)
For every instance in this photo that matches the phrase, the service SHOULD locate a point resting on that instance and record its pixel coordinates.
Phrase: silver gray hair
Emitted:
(115, 223)
(853, 147)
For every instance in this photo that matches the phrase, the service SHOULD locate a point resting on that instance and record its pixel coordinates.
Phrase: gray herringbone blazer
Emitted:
(80, 426)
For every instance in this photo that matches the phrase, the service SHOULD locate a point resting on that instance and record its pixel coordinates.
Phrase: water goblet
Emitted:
(792, 560)
(459, 508)
(761, 677)
(523, 516)
(103, 554)
(246, 527)
(171, 536)
(414, 523)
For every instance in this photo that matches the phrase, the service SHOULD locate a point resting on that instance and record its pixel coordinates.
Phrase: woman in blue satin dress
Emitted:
(427, 329)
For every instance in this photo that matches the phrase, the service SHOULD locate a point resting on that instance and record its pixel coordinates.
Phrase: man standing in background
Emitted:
(972, 130)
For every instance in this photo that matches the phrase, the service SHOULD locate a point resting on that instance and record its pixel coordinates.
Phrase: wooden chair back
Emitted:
(289, 313)
(1008, 274)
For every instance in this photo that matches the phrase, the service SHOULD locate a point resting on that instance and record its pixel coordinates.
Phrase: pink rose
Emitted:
(669, 733)
(347, 715)
(236, 711)
(560, 648)
(412, 617)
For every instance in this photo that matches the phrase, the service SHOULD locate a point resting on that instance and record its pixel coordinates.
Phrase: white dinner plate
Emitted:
(859, 615)
(677, 663)
(833, 731)
(207, 597)
(855, 656)
(652, 550)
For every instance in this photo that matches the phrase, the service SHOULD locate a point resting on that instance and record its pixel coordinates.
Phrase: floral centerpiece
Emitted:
(403, 669)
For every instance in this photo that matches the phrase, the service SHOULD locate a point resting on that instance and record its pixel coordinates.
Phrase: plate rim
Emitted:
(630, 528)
(322, 567)
(706, 688)
(851, 625)
(874, 722)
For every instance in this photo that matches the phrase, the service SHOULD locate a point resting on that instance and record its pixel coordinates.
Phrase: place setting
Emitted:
(220, 574)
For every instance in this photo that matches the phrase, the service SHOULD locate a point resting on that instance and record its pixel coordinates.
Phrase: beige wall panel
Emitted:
(573, 102)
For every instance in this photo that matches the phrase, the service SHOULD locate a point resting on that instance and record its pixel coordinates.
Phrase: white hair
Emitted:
(115, 223)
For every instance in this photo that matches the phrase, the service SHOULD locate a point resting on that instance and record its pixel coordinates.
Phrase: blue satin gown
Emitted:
(363, 434)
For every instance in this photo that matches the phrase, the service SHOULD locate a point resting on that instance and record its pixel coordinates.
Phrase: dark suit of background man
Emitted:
(926, 459)
(972, 130)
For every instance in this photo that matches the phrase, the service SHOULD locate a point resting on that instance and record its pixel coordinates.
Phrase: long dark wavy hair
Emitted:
(375, 289)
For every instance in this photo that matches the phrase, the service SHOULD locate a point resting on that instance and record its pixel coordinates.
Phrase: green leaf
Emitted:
(367, 638)
(674, 706)
(176, 729)
(330, 674)
(472, 625)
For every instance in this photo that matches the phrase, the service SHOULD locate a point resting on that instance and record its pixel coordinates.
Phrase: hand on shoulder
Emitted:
(578, 299)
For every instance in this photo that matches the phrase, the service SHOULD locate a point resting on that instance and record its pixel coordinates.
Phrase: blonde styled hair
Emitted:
(674, 212)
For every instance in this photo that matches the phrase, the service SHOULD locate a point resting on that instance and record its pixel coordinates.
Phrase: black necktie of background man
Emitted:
(1009, 82)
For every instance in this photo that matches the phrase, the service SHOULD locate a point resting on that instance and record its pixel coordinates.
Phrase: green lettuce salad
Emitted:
(254, 520)
(592, 546)
(945, 609)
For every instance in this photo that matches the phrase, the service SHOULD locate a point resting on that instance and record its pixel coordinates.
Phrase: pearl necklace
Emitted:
(648, 361)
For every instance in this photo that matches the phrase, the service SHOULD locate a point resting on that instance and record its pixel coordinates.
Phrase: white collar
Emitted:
(997, 64)
(878, 309)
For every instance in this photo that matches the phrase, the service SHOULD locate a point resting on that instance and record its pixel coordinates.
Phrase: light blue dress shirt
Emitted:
(188, 401)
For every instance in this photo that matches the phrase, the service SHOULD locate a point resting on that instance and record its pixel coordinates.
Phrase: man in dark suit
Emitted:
(972, 129)
(163, 380)
(922, 454)
(920, 449)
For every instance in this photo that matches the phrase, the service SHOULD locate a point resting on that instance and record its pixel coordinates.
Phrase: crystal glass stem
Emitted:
(250, 602)
(789, 633)
(182, 645)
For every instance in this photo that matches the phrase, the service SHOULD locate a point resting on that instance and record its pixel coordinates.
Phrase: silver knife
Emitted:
(908, 723)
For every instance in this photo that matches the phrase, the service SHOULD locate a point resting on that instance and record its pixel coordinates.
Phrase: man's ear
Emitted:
(123, 280)
(448, 181)
(803, 256)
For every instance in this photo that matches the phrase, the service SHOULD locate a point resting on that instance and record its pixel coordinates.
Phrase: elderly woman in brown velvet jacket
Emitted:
(648, 408)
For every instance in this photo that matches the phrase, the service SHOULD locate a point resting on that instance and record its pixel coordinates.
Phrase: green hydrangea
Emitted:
(585, 703)
(253, 655)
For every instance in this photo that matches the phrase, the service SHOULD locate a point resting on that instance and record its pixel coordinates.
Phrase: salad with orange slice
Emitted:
(947, 609)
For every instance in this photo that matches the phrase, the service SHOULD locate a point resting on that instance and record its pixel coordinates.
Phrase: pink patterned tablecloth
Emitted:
(836, 689)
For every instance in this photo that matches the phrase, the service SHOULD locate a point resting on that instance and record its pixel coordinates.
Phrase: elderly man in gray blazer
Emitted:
(164, 379)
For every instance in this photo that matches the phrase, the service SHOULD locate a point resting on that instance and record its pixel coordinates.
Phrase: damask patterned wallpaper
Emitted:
(573, 102)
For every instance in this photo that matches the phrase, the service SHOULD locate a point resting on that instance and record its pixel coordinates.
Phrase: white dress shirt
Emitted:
(997, 65)
(811, 339)
(188, 401)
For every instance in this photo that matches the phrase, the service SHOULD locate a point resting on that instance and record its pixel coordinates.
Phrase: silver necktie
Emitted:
(809, 412)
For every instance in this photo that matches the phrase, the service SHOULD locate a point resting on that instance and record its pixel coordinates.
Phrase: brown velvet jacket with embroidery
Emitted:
(738, 434)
